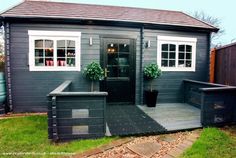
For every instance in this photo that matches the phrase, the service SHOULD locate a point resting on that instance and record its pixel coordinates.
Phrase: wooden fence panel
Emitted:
(225, 65)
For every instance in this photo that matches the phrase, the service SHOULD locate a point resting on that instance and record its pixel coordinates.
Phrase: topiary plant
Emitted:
(93, 72)
(151, 72)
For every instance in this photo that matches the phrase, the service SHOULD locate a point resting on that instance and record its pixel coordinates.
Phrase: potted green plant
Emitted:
(151, 72)
(93, 72)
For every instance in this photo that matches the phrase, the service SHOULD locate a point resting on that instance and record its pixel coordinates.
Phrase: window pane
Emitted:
(182, 48)
(172, 47)
(61, 44)
(38, 44)
(188, 63)
(181, 55)
(171, 63)
(188, 48)
(38, 52)
(111, 48)
(61, 53)
(164, 63)
(172, 56)
(70, 44)
(39, 62)
(124, 71)
(181, 63)
(188, 56)
(123, 59)
(164, 47)
(48, 44)
(164, 55)
(71, 62)
(169, 55)
(123, 48)
(112, 58)
(64, 53)
(61, 62)
(113, 71)
(49, 62)
(70, 53)
(49, 52)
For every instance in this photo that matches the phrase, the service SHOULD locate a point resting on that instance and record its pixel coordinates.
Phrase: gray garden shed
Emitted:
(50, 42)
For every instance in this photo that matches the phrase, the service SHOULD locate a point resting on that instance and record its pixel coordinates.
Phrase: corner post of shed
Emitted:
(141, 62)
(8, 65)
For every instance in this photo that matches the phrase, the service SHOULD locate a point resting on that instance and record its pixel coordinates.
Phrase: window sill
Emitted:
(54, 69)
(178, 69)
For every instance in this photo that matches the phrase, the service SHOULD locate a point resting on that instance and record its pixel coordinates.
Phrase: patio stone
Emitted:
(167, 156)
(146, 149)
(183, 146)
(175, 152)
(187, 142)
(168, 138)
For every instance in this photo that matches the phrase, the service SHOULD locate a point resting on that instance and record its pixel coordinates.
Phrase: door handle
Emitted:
(105, 72)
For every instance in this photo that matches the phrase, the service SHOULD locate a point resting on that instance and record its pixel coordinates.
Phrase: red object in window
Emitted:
(62, 63)
(51, 62)
(47, 62)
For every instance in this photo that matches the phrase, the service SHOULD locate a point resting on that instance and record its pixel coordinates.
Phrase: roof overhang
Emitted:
(106, 22)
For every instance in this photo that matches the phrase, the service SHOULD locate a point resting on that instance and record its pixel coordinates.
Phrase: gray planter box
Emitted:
(75, 115)
(217, 102)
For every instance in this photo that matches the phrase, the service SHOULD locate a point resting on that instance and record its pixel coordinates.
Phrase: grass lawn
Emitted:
(213, 143)
(29, 134)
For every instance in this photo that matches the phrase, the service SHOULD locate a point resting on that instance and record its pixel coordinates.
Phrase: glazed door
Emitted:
(117, 59)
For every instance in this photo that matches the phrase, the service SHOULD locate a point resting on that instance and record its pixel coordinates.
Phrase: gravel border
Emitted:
(172, 145)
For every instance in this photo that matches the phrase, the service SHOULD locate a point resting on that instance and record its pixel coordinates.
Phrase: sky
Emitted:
(223, 10)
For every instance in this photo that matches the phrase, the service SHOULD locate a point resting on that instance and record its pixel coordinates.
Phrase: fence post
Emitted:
(212, 65)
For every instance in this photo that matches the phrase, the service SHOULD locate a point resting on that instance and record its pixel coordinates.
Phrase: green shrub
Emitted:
(93, 72)
(152, 71)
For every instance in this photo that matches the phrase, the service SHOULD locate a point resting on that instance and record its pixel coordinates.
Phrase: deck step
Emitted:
(175, 116)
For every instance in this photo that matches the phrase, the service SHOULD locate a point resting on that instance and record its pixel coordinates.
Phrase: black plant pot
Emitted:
(151, 97)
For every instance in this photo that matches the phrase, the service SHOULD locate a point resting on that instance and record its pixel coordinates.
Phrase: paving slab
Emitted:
(168, 138)
(146, 149)
(175, 152)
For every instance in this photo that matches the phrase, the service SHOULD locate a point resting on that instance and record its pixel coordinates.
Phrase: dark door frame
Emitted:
(102, 60)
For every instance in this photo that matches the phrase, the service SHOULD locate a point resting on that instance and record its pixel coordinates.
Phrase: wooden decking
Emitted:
(141, 120)
(175, 116)
(130, 120)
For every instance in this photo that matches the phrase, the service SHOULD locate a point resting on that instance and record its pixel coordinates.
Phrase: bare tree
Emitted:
(212, 21)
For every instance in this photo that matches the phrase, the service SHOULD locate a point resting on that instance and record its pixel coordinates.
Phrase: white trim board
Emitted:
(177, 41)
(54, 35)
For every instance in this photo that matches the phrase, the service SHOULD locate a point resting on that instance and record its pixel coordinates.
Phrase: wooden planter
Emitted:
(217, 102)
(75, 115)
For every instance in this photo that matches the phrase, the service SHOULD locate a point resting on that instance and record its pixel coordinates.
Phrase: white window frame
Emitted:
(54, 35)
(177, 41)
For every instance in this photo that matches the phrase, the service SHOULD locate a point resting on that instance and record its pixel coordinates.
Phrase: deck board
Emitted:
(125, 120)
(175, 116)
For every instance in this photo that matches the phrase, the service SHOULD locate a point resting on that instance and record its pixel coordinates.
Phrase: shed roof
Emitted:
(61, 10)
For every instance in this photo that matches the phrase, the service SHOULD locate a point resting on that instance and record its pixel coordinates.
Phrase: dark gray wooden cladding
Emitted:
(29, 88)
(69, 113)
(170, 85)
(217, 102)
